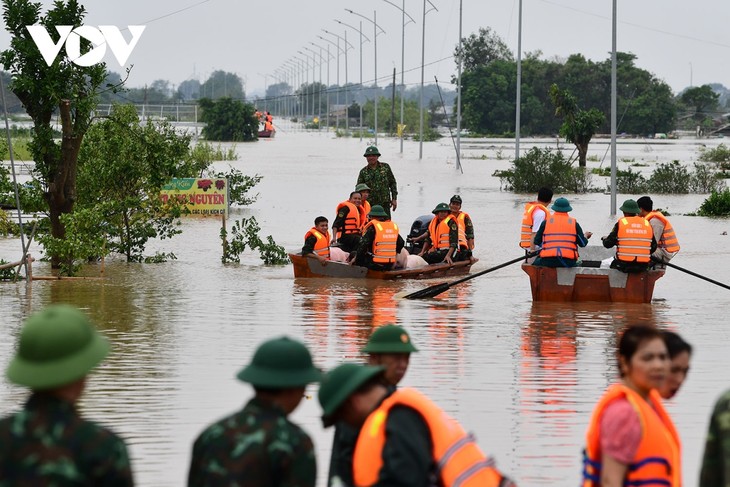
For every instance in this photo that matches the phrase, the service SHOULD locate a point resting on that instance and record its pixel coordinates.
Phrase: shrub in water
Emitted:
(630, 182)
(543, 167)
(718, 204)
(705, 180)
(718, 155)
(671, 178)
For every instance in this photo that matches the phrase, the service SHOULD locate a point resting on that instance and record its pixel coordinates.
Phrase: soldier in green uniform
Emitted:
(259, 446)
(379, 178)
(48, 443)
(389, 346)
(716, 459)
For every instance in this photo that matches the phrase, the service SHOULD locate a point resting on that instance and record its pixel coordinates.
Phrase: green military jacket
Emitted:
(716, 459)
(256, 446)
(49, 444)
(382, 184)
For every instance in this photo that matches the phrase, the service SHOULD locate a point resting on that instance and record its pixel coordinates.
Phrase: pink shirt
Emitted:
(620, 431)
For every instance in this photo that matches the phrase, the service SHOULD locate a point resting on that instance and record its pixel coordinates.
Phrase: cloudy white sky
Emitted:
(679, 41)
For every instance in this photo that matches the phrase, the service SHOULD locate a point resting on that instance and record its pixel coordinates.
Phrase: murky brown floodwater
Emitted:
(523, 376)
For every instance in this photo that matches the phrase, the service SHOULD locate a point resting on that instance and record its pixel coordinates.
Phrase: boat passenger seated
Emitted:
(317, 243)
(380, 243)
(633, 238)
(559, 237)
(348, 224)
(444, 243)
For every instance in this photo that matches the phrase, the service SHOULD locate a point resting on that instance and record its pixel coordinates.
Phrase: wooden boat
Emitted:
(588, 282)
(267, 134)
(310, 267)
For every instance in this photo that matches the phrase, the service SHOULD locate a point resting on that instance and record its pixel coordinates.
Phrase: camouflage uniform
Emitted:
(48, 444)
(382, 184)
(716, 460)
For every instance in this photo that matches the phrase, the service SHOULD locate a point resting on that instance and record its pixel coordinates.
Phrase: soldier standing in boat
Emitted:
(259, 445)
(379, 177)
(48, 443)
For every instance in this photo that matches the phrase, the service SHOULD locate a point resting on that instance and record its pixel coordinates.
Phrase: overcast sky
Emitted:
(679, 41)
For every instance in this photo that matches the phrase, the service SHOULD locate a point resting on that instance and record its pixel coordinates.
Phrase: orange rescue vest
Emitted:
(461, 223)
(364, 210)
(668, 239)
(322, 246)
(458, 459)
(558, 238)
(657, 460)
(353, 222)
(439, 232)
(527, 222)
(634, 239)
(385, 241)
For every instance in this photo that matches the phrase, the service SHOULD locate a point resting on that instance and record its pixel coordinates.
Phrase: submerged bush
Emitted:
(543, 167)
(705, 180)
(719, 155)
(630, 182)
(717, 204)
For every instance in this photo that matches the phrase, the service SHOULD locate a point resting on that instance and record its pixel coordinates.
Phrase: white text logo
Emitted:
(105, 35)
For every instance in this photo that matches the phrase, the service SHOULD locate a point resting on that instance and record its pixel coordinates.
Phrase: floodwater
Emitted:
(522, 376)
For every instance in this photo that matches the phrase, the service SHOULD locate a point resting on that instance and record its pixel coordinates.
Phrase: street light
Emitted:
(518, 100)
(329, 56)
(374, 21)
(337, 93)
(266, 78)
(306, 98)
(347, 104)
(361, 43)
(402, 62)
(423, 61)
(319, 100)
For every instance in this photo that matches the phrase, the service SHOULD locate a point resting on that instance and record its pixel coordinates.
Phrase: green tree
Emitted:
(701, 99)
(63, 88)
(579, 125)
(481, 49)
(227, 119)
(222, 84)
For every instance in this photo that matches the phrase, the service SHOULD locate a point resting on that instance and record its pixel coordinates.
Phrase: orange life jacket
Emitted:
(558, 238)
(634, 239)
(439, 232)
(268, 126)
(458, 459)
(364, 210)
(322, 246)
(657, 460)
(668, 239)
(461, 223)
(527, 222)
(353, 223)
(385, 241)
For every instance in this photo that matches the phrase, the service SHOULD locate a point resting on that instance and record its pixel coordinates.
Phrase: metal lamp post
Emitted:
(306, 72)
(402, 61)
(329, 56)
(314, 62)
(518, 100)
(347, 45)
(337, 95)
(373, 21)
(361, 43)
(423, 65)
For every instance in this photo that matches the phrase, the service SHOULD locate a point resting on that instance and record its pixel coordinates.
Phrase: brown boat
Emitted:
(311, 267)
(588, 282)
(266, 134)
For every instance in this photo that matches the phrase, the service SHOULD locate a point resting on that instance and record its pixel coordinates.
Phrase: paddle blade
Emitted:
(429, 292)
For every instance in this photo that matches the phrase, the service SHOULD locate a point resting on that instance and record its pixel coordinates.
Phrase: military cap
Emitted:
(455, 199)
(362, 187)
(441, 207)
(58, 345)
(389, 339)
(378, 210)
(562, 205)
(630, 206)
(371, 151)
(339, 384)
(280, 363)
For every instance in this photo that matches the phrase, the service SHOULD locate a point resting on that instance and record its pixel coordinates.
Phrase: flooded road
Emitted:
(522, 376)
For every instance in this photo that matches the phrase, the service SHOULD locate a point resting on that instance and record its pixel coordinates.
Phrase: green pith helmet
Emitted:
(371, 151)
(378, 210)
(58, 345)
(280, 363)
(562, 205)
(362, 187)
(389, 339)
(630, 206)
(339, 383)
(441, 207)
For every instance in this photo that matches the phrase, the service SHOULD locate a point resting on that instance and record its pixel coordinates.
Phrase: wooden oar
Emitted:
(437, 289)
(691, 273)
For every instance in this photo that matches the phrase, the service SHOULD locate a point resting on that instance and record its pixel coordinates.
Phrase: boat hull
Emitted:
(266, 134)
(591, 284)
(310, 267)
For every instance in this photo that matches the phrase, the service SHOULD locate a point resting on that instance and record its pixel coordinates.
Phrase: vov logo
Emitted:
(105, 35)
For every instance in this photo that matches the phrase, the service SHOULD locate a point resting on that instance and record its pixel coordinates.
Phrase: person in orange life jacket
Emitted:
(466, 227)
(667, 244)
(268, 126)
(404, 438)
(317, 243)
(365, 207)
(389, 346)
(680, 353)
(347, 227)
(559, 237)
(380, 242)
(269, 117)
(631, 439)
(442, 241)
(535, 213)
(633, 238)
